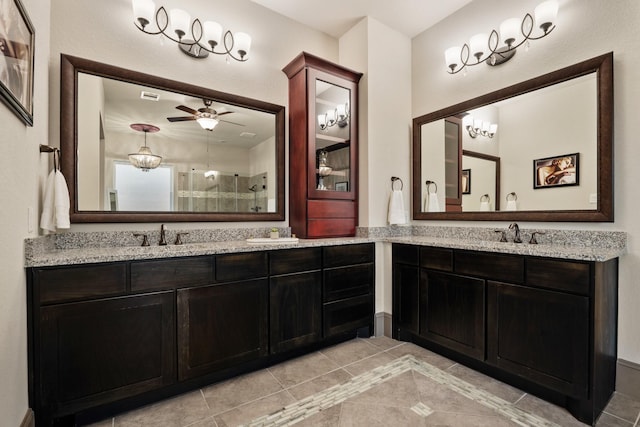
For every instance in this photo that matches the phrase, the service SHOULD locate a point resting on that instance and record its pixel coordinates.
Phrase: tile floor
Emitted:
(365, 382)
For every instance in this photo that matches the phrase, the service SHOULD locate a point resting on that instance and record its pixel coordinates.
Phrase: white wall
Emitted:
(259, 163)
(586, 28)
(22, 172)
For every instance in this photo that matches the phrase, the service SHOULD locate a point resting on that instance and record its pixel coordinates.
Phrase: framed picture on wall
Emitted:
(466, 181)
(17, 38)
(557, 171)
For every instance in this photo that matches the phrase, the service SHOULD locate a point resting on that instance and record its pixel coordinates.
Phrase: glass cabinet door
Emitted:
(331, 139)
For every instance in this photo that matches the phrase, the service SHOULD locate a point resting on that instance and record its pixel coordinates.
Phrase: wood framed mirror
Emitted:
(234, 172)
(555, 115)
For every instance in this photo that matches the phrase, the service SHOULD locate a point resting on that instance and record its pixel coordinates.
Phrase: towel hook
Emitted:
(393, 180)
(428, 183)
(513, 195)
(485, 198)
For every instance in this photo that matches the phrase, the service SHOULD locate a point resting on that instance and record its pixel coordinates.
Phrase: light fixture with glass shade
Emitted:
(144, 159)
(500, 46)
(481, 127)
(337, 116)
(195, 38)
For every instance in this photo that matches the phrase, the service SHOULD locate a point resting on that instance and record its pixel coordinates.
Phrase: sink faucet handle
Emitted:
(533, 240)
(178, 238)
(163, 239)
(503, 236)
(145, 239)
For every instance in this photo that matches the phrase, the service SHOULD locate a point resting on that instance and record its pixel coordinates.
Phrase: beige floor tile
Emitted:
(442, 419)
(372, 415)
(421, 354)
(400, 391)
(237, 391)
(497, 388)
(245, 413)
(607, 420)
(319, 384)
(350, 352)
(548, 411)
(179, 411)
(383, 343)
(330, 417)
(303, 369)
(441, 398)
(369, 363)
(623, 406)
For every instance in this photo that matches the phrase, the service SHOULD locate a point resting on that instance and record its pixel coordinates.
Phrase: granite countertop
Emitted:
(584, 253)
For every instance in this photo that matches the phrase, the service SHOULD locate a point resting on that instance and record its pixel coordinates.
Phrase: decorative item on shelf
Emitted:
(323, 169)
(196, 39)
(512, 198)
(274, 234)
(144, 159)
(477, 127)
(488, 49)
(338, 116)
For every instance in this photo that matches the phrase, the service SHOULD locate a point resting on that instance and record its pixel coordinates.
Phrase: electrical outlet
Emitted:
(593, 198)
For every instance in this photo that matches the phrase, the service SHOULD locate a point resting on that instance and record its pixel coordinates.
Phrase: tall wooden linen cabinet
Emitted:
(323, 147)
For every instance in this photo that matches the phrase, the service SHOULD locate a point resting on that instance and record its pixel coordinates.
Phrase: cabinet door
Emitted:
(102, 350)
(406, 298)
(295, 310)
(540, 334)
(452, 311)
(221, 325)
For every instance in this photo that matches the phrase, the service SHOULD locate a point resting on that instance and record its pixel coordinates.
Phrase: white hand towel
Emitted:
(61, 196)
(434, 206)
(396, 208)
(47, 219)
(511, 205)
(485, 206)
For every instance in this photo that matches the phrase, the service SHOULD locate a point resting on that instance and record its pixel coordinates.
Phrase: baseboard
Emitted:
(383, 324)
(28, 420)
(628, 378)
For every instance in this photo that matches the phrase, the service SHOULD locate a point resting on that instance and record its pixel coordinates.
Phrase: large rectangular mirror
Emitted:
(207, 155)
(551, 139)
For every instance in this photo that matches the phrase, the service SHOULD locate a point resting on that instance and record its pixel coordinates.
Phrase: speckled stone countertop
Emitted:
(93, 247)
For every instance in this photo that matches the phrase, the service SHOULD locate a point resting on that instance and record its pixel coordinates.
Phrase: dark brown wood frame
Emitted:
(603, 66)
(70, 66)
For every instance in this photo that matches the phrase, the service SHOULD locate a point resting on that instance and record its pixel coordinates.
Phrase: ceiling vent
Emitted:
(149, 96)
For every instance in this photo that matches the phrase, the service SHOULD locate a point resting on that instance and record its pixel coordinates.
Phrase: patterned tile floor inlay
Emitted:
(337, 394)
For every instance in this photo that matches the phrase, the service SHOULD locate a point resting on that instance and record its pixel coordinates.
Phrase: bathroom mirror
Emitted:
(528, 128)
(222, 155)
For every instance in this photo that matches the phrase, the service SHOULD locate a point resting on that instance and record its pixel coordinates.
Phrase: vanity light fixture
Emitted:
(477, 127)
(338, 116)
(501, 46)
(196, 39)
(144, 159)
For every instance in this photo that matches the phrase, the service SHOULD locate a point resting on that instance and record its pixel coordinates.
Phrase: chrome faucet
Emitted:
(516, 237)
(163, 239)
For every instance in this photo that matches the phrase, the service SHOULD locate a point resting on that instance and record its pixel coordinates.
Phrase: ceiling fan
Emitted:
(206, 116)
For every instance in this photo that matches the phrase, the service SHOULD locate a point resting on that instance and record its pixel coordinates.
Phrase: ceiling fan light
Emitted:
(207, 123)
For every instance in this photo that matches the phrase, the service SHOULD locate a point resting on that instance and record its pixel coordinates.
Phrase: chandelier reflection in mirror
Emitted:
(477, 127)
(196, 39)
(498, 48)
(144, 159)
(338, 116)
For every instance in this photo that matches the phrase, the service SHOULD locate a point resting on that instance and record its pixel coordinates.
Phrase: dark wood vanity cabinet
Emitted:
(104, 334)
(547, 325)
(323, 147)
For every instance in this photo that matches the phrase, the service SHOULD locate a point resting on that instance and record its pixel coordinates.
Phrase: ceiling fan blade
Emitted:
(224, 112)
(186, 109)
(181, 119)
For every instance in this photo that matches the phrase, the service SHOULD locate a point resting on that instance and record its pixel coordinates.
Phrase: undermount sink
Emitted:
(268, 240)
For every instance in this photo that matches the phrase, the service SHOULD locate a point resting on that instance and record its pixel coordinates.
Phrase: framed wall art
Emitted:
(17, 39)
(557, 171)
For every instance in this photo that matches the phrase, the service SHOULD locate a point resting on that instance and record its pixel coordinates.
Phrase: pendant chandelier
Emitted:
(144, 159)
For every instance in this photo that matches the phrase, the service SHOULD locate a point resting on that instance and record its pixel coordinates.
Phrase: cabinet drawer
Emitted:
(331, 209)
(331, 227)
(295, 260)
(405, 254)
(241, 266)
(567, 276)
(73, 283)
(171, 273)
(336, 256)
(436, 258)
(345, 282)
(507, 268)
(348, 314)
